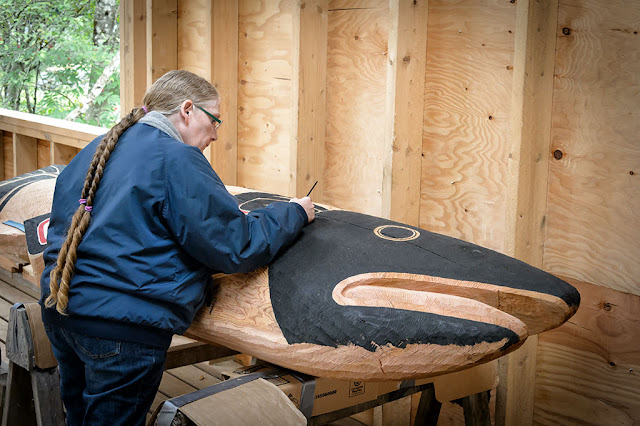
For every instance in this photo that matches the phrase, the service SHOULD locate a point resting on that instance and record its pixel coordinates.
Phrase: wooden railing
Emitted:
(32, 141)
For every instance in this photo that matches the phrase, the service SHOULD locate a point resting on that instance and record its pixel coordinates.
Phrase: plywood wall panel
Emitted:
(466, 119)
(588, 368)
(265, 95)
(593, 226)
(355, 148)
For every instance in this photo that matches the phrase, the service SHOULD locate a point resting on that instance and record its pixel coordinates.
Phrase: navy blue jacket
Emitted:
(162, 223)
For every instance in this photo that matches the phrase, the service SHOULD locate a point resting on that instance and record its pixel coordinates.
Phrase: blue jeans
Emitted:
(105, 382)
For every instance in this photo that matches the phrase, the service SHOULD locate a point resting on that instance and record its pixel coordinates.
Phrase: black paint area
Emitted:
(341, 244)
(11, 187)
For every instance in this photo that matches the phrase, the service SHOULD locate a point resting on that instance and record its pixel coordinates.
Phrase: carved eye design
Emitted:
(396, 233)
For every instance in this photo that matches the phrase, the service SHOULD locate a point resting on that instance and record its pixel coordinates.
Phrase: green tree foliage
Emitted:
(49, 60)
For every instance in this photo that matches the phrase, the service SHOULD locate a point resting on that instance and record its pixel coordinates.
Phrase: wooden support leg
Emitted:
(32, 395)
(18, 408)
(428, 408)
(3, 382)
(476, 409)
(46, 397)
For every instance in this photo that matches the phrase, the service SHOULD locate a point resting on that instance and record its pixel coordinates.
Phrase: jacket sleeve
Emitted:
(207, 223)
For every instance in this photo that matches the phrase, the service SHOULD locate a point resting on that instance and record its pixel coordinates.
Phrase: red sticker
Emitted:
(43, 227)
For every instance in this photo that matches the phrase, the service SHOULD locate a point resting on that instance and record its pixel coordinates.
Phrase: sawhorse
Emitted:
(32, 393)
(31, 361)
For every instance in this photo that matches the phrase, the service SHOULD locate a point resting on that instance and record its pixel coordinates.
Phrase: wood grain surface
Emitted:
(265, 95)
(593, 226)
(589, 368)
(7, 151)
(356, 84)
(194, 37)
(466, 119)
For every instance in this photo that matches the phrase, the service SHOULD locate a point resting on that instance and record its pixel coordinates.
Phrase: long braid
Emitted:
(62, 256)
(63, 272)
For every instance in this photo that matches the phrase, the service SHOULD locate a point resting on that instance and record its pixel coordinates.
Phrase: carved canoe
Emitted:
(361, 298)
(358, 297)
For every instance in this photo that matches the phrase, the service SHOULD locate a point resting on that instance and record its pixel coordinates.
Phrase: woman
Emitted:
(139, 223)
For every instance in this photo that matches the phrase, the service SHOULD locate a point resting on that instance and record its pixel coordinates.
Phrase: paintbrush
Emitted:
(314, 185)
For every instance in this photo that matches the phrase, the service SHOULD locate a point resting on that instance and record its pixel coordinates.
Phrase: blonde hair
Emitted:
(164, 96)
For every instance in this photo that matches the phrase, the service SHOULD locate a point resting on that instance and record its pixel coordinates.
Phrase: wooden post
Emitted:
(527, 184)
(133, 48)
(162, 38)
(404, 111)
(224, 76)
(25, 154)
(312, 84)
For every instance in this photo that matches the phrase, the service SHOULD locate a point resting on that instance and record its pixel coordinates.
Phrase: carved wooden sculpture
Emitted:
(363, 298)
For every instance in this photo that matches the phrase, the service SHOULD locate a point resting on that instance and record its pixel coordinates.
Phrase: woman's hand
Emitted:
(307, 205)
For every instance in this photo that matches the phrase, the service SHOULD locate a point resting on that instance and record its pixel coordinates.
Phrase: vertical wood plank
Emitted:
(194, 41)
(532, 92)
(224, 76)
(355, 141)
(133, 48)
(312, 85)
(45, 385)
(194, 37)
(389, 108)
(25, 154)
(469, 73)
(44, 153)
(401, 185)
(266, 96)
(531, 103)
(476, 409)
(162, 38)
(2, 138)
(18, 397)
(8, 155)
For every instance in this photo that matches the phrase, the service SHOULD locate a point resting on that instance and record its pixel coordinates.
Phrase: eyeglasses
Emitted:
(215, 121)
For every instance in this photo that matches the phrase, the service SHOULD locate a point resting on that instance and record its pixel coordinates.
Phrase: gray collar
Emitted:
(162, 123)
